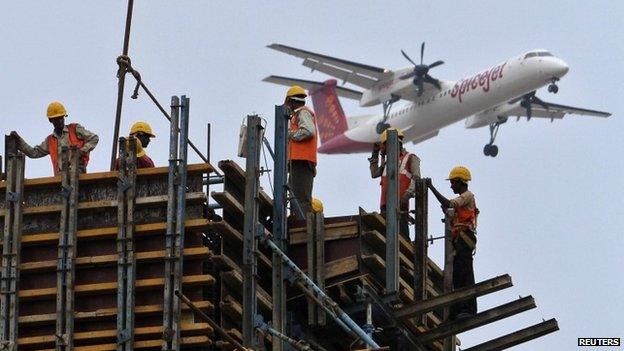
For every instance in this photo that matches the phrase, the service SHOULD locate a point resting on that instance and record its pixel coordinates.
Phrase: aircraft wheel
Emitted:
(553, 88)
(381, 127)
(493, 150)
(486, 149)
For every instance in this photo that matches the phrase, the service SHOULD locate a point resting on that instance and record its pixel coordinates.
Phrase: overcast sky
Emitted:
(551, 202)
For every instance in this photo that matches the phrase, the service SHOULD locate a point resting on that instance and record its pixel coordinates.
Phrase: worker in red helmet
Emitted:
(463, 232)
(302, 143)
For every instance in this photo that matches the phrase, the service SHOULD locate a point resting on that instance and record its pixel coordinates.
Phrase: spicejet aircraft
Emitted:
(487, 98)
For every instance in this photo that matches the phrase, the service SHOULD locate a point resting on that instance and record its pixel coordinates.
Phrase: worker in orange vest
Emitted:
(409, 171)
(62, 136)
(463, 232)
(302, 143)
(143, 132)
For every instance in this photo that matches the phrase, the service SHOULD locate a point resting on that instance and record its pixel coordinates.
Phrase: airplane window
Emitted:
(544, 53)
(530, 54)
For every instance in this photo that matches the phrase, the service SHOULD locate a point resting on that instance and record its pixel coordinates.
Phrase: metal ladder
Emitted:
(11, 245)
(126, 265)
(67, 251)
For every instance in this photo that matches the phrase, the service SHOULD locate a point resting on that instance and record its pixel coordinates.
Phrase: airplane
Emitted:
(487, 98)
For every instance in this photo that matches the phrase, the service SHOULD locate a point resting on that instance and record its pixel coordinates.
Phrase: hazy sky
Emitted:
(551, 202)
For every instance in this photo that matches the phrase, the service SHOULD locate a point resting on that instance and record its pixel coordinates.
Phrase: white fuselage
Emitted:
(488, 90)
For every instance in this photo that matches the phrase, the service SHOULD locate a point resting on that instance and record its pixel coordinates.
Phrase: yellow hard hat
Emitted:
(294, 91)
(55, 110)
(142, 127)
(317, 205)
(460, 172)
(384, 135)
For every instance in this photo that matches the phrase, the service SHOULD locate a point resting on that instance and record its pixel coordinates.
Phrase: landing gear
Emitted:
(387, 105)
(490, 149)
(553, 88)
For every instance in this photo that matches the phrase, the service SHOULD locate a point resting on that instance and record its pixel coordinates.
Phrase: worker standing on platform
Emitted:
(143, 132)
(63, 136)
(302, 143)
(409, 171)
(463, 232)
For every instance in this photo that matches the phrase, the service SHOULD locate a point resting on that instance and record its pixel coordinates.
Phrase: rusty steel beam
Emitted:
(518, 337)
(478, 320)
(447, 299)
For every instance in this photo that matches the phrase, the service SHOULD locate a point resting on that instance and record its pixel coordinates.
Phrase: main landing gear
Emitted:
(552, 87)
(490, 149)
(387, 105)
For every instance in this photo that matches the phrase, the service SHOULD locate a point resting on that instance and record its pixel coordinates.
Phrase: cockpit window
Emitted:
(537, 53)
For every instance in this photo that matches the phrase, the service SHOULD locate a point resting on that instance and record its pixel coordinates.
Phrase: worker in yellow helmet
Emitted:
(317, 205)
(409, 171)
(463, 232)
(143, 132)
(302, 143)
(63, 135)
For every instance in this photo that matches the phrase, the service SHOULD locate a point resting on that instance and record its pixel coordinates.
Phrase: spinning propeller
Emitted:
(421, 71)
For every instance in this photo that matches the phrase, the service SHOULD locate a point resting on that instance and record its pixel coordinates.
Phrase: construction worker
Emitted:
(302, 142)
(143, 132)
(62, 136)
(463, 230)
(409, 171)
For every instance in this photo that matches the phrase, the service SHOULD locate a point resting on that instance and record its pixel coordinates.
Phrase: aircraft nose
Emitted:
(560, 68)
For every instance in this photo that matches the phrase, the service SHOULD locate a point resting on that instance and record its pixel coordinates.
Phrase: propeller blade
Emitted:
(408, 58)
(429, 79)
(435, 64)
(422, 52)
(528, 111)
(408, 75)
(419, 83)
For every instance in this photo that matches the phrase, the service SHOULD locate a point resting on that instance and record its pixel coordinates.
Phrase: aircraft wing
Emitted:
(362, 75)
(309, 84)
(555, 111)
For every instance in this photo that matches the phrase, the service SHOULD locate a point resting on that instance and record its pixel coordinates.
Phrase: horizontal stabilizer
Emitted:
(311, 85)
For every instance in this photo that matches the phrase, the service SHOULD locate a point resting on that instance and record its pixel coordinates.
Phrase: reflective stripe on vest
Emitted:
(306, 149)
(405, 179)
(74, 140)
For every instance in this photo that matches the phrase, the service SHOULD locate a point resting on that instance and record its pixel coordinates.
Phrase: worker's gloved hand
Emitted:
(428, 182)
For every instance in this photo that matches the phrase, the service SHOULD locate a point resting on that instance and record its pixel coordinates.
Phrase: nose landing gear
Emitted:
(552, 87)
(490, 149)
(387, 105)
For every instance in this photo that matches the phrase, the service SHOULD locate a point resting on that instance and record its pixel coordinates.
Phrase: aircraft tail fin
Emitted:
(330, 117)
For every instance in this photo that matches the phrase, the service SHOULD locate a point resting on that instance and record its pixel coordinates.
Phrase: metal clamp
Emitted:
(66, 190)
(123, 336)
(12, 196)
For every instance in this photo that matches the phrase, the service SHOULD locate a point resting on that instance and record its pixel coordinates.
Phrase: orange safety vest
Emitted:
(405, 178)
(465, 218)
(306, 149)
(74, 140)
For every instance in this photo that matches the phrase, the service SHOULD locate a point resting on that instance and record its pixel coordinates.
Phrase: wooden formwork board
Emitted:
(96, 261)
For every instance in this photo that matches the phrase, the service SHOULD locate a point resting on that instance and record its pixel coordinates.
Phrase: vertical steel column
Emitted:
(280, 230)
(449, 252)
(171, 224)
(67, 251)
(178, 250)
(250, 230)
(392, 212)
(320, 261)
(420, 242)
(126, 273)
(311, 261)
(11, 247)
